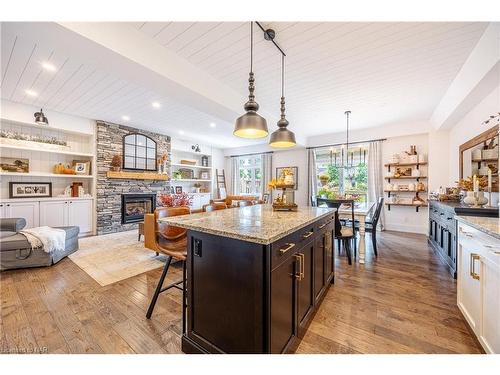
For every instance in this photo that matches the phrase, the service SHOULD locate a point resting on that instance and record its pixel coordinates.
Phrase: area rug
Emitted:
(113, 257)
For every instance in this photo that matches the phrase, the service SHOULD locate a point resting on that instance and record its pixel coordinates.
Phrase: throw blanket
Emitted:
(51, 239)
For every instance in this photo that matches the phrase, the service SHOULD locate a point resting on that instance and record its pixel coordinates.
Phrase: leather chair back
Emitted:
(214, 207)
(162, 237)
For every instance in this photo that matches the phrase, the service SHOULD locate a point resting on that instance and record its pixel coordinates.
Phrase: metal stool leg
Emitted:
(158, 288)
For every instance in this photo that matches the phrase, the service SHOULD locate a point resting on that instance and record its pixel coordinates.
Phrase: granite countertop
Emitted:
(259, 223)
(461, 208)
(488, 225)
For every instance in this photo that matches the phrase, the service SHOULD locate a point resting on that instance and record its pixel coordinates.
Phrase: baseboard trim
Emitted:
(406, 228)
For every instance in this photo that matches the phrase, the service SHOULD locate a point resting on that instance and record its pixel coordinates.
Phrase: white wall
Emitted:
(470, 126)
(24, 113)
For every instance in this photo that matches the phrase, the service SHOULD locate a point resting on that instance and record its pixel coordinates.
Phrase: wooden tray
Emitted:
(285, 207)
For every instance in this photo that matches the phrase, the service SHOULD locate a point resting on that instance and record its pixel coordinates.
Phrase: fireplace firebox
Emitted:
(135, 206)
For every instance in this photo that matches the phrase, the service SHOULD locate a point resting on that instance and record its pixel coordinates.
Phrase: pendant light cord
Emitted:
(282, 76)
(251, 46)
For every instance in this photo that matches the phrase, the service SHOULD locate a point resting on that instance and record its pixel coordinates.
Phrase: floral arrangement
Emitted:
(116, 162)
(468, 183)
(32, 138)
(175, 200)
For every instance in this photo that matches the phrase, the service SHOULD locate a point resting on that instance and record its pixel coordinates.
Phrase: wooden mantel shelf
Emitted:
(137, 176)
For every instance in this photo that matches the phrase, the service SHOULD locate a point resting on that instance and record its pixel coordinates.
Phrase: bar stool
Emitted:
(170, 241)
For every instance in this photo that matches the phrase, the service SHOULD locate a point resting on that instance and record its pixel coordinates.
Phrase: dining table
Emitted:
(361, 211)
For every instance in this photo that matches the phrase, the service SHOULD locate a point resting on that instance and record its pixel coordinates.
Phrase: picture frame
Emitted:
(265, 198)
(30, 189)
(295, 175)
(81, 167)
(14, 165)
(204, 175)
(178, 190)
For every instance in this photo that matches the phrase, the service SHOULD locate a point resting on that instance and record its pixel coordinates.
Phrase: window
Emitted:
(250, 168)
(139, 152)
(342, 173)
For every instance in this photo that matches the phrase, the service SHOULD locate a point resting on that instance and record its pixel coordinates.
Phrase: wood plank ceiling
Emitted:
(383, 72)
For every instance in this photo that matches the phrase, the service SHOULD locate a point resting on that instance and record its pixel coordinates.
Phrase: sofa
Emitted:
(230, 198)
(16, 252)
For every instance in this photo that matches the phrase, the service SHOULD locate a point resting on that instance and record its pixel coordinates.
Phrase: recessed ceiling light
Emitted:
(49, 67)
(213, 124)
(181, 132)
(125, 118)
(30, 92)
(156, 105)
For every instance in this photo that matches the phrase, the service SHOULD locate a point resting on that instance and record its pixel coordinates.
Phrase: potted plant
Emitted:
(116, 163)
(175, 200)
(323, 179)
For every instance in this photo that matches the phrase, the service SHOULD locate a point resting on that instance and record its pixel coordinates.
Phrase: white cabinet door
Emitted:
(54, 213)
(196, 202)
(3, 209)
(204, 199)
(469, 288)
(27, 210)
(490, 330)
(80, 215)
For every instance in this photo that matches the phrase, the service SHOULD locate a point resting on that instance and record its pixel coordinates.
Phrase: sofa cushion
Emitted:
(17, 241)
(6, 233)
(70, 231)
(12, 224)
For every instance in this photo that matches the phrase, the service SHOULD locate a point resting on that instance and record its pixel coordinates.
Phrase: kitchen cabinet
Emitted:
(80, 214)
(28, 210)
(262, 296)
(60, 213)
(478, 284)
(443, 228)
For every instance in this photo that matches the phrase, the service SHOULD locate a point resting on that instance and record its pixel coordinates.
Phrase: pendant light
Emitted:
(251, 124)
(282, 138)
(40, 118)
(347, 114)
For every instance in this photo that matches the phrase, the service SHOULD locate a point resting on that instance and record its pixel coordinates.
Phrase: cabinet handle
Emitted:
(301, 258)
(322, 226)
(308, 234)
(285, 249)
(473, 258)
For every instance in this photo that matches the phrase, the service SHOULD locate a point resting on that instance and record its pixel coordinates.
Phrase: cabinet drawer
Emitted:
(321, 224)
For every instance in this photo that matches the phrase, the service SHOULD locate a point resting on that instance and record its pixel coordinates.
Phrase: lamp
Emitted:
(251, 124)
(40, 118)
(282, 138)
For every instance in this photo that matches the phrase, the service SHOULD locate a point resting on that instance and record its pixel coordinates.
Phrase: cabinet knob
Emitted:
(8, 205)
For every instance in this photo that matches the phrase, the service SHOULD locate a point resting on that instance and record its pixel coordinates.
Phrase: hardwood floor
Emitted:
(402, 302)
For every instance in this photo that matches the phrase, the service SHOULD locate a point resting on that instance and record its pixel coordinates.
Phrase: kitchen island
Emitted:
(254, 277)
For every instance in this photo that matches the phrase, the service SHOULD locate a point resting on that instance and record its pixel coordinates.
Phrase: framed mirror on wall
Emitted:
(139, 152)
(480, 154)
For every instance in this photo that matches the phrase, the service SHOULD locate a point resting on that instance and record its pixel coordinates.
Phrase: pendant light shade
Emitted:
(251, 124)
(282, 138)
(40, 118)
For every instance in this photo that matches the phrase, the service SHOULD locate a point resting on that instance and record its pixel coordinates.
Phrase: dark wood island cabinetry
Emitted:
(255, 277)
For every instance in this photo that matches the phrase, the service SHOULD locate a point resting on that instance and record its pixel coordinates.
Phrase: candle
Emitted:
(474, 184)
(489, 179)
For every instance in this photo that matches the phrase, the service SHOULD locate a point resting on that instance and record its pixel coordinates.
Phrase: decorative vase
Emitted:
(116, 169)
(471, 200)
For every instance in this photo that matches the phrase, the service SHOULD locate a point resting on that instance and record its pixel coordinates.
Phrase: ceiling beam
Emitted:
(479, 75)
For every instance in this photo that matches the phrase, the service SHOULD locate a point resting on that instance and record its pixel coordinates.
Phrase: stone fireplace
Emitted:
(111, 193)
(135, 206)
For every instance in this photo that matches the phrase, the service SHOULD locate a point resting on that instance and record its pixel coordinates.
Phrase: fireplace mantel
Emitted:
(137, 176)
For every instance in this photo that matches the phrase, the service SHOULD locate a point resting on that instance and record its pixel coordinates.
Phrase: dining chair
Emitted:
(245, 203)
(214, 207)
(343, 234)
(170, 241)
(371, 224)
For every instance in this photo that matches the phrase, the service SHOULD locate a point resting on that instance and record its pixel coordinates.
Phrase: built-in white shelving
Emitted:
(190, 180)
(60, 152)
(44, 174)
(189, 166)
(34, 125)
